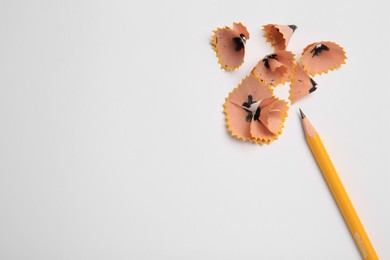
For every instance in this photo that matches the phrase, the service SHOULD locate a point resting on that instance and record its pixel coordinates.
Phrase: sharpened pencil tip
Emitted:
(302, 114)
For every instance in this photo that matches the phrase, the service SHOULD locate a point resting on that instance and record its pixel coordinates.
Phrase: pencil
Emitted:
(340, 195)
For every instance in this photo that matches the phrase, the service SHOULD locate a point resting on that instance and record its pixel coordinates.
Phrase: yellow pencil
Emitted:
(340, 195)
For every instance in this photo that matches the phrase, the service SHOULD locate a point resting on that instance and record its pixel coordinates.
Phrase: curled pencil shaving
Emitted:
(301, 84)
(275, 68)
(253, 113)
(278, 35)
(229, 45)
(321, 57)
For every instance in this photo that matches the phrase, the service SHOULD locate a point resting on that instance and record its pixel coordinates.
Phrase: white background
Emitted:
(113, 143)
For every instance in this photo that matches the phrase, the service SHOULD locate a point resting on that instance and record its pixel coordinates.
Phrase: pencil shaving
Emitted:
(301, 84)
(229, 45)
(253, 113)
(321, 57)
(278, 35)
(275, 68)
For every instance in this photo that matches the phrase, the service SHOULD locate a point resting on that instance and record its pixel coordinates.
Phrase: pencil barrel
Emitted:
(340, 195)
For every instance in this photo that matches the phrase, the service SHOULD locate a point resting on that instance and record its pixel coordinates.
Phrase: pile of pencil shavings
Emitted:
(252, 111)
